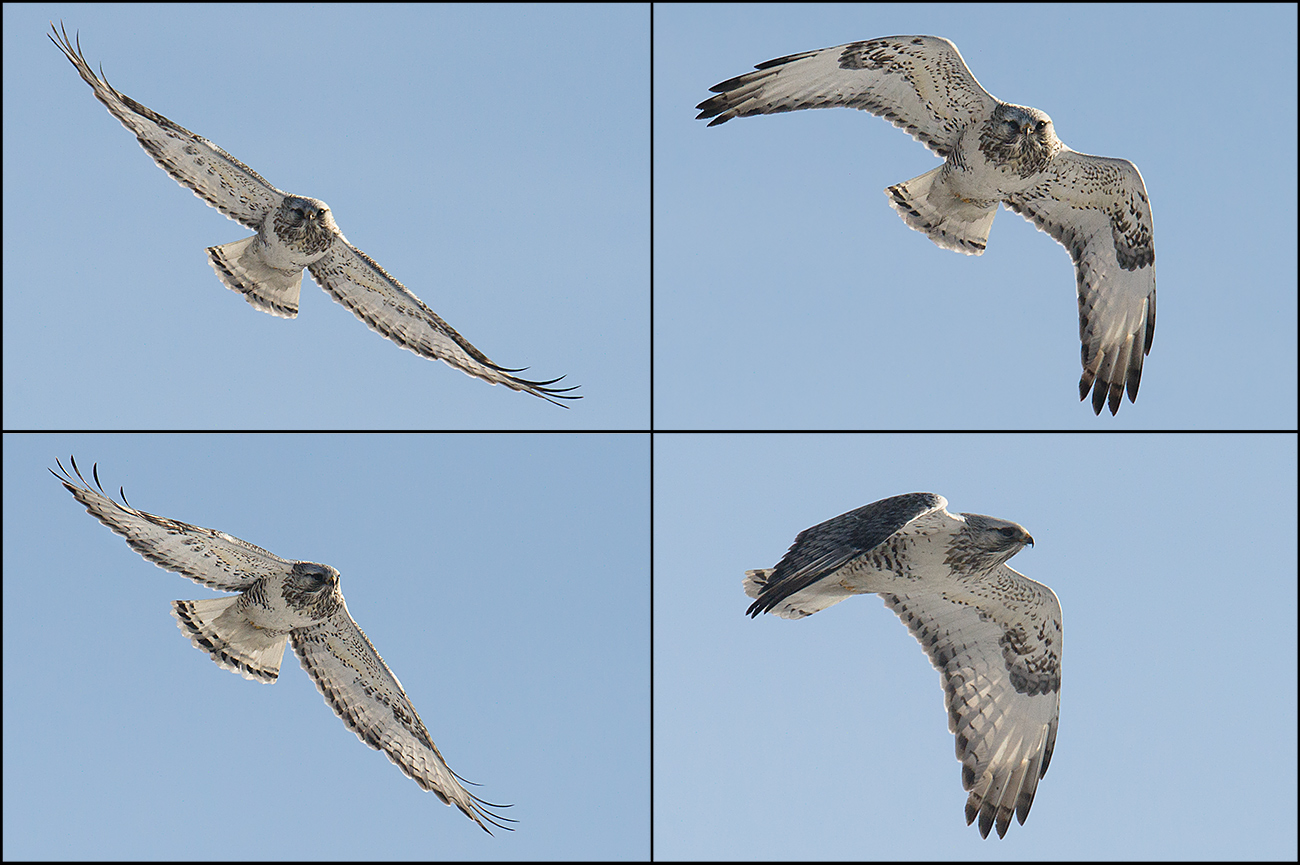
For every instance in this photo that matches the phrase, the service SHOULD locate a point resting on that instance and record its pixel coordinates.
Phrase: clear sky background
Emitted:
(496, 160)
(788, 294)
(1174, 558)
(504, 579)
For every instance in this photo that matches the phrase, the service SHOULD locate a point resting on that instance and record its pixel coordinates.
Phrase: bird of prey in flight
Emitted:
(281, 601)
(993, 633)
(993, 151)
(293, 232)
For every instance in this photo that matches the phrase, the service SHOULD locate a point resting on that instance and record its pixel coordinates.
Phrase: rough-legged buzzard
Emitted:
(294, 232)
(994, 152)
(283, 601)
(993, 634)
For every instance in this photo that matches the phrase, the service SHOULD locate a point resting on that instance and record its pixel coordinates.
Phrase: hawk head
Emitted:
(986, 542)
(305, 226)
(312, 590)
(1019, 138)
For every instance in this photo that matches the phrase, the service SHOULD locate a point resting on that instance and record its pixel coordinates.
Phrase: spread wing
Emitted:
(355, 280)
(1097, 209)
(805, 580)
(993, 634)
(348, 274)
(194, 162)
(206, 556)
(362, 691)
(997, 646)
(918, 83)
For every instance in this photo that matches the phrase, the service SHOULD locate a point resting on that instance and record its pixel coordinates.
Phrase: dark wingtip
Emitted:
(545, 391)
(480, 807)
(1134, 379)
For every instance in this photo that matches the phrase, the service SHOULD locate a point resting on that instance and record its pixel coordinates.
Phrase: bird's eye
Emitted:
(1007, 531)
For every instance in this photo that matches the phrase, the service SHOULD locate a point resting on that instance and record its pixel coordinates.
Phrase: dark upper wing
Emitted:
(361, 690)
(355, 280)
(206, 556)
(1097, 209)
(917, 83)
(821, 550)
(213, 174)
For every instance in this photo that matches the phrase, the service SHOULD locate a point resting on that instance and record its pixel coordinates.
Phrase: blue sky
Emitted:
(788, 294)
(1174, 558)
(471, 151)
(496, 159)
(504, 579)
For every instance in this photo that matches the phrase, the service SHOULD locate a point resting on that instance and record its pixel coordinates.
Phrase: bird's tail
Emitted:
(781, 601)
(240, 268)
(219, 627)
(756, 581)
(928, 205)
